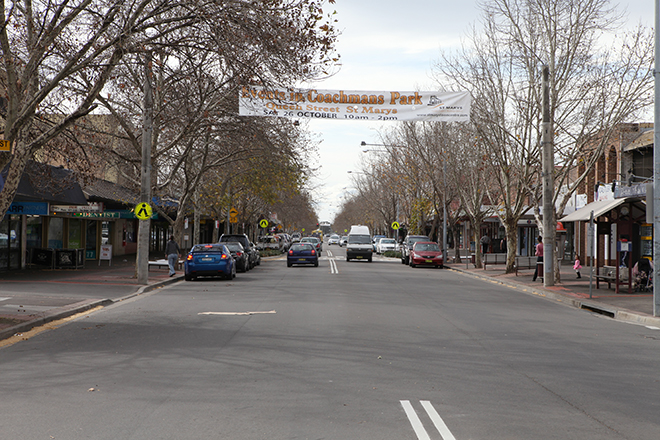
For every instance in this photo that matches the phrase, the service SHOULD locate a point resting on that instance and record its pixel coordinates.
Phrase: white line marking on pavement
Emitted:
(333, 266)
(4, 299)
(417, 425)
(236, 313)
(437, 421)
(650, 327)
(329, 253)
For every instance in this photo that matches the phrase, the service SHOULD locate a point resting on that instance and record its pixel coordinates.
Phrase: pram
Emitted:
(643, 275)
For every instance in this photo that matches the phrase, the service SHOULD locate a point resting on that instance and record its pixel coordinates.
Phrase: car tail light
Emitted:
(190, 257)
(290, 252)
(224, 256)
(238, 254)
(314, 252)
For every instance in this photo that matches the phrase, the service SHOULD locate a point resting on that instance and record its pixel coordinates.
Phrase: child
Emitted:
(577, 266)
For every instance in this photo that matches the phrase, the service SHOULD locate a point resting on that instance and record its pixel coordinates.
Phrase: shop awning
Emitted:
(599, 208)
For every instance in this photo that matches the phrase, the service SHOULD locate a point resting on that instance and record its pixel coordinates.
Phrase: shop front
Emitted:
(613, 234)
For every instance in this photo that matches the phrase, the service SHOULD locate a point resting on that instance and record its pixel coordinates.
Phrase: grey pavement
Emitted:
(33, 297)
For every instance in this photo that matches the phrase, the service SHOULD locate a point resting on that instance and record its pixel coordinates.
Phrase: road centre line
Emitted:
(437, 421)
(333, 266)
(417, 424)
(237, 313)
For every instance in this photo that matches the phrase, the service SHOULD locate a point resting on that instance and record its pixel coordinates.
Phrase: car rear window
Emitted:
(302, 247)
(208, 248)
(234, 246)
(427, 247)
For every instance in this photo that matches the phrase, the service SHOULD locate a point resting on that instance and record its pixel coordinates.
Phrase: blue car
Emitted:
(210, 260)
(302, 253)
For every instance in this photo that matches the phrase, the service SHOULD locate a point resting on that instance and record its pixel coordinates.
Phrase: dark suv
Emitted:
(407, 245)
(247, 245)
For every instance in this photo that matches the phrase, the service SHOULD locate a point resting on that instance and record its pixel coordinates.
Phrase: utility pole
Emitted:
(549, 224)
(145, 190)
(656, 166)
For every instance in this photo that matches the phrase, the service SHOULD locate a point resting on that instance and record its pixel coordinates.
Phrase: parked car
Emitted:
(209, 260)
(343, 241)
(240, 256)
(295, 237)
(285, 241)
(375, 239)
(385, 244)
(426, 253)
(256, 251)
(407, 244)
(318, 244)
(334, 239)
(247, 245)
(302, 253)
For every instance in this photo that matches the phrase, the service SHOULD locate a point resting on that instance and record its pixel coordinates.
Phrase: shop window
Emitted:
(56, 233)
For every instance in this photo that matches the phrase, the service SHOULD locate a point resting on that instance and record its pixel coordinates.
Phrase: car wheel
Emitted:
(316, 264)
(189, 278)
(369, 260)
(288, 264)
(413, 265)
(348, 259)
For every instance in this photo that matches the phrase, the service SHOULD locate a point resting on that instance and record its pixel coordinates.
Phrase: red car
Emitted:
(426, 253)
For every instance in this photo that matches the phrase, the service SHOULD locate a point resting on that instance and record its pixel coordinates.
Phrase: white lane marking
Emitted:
(329, 253)
(237, 313)
(651, 327)
(437, 421)
(417, 425)
(333, 266)
(4, 299)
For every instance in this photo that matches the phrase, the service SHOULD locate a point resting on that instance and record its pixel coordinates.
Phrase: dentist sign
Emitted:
(355, 105)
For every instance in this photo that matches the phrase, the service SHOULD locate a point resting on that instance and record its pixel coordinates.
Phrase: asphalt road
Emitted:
(344, 351)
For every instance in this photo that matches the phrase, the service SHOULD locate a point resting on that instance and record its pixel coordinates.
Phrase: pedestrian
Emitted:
(539, 256)
(577, 266)
(485, 241)
(172, 252)
(503, 245)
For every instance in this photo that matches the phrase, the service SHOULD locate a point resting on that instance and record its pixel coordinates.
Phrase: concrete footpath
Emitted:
(33, 297)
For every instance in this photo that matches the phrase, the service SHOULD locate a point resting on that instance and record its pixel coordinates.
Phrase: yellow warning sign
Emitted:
(143, 211)
(5, 145)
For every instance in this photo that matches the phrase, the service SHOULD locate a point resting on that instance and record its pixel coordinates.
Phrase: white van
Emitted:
(359, 246)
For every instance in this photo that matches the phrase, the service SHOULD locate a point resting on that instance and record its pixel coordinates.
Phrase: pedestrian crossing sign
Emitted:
(143, 211)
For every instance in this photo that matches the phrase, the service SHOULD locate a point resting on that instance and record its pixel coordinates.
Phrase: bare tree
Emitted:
(59, 56)
(592, 89)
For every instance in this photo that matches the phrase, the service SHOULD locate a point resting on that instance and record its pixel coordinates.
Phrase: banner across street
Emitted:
(355, 105)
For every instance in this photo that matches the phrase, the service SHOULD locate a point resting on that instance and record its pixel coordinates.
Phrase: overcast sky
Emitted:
(391, 45)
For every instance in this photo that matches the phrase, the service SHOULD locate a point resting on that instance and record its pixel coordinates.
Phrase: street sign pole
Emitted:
(142, 263)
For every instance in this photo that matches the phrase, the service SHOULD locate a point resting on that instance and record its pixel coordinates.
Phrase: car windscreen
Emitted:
(427, 247)
(387, 241)
(208, 248)
(359, 239)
